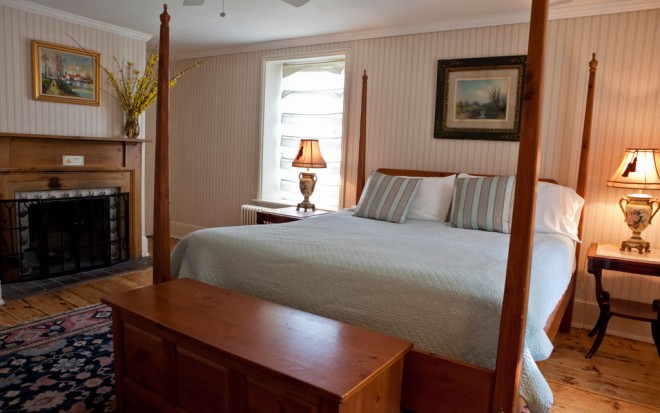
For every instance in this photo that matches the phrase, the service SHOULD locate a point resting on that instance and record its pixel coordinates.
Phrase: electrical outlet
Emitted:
(73, 160)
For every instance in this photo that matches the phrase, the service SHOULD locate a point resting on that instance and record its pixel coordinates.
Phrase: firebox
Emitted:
(47, 237)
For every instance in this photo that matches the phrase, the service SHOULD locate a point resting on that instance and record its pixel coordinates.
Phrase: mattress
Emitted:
(437, 286)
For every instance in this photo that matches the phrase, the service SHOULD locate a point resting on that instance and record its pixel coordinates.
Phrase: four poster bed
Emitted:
(375, 285)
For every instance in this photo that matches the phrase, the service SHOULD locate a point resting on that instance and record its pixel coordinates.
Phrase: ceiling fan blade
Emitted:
(296, 3)
(193, 2)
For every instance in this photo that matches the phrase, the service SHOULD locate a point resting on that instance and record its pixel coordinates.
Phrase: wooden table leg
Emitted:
(602, 319)
(603, 298)
(600, 327)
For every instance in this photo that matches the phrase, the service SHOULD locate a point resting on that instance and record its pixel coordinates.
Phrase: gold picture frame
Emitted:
(65, 74)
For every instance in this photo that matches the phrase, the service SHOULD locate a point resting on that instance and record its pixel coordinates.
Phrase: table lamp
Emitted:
(640, 169)
(309, 156)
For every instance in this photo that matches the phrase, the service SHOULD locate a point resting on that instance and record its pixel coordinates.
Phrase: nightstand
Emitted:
(608, 257)
(282, 215)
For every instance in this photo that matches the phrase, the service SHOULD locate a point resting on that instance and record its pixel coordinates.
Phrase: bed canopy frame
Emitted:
(462, 384)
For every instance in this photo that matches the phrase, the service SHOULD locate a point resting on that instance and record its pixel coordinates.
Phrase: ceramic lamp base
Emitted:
(635, 244)
(305, 205)
(638, 213)
(307, 185)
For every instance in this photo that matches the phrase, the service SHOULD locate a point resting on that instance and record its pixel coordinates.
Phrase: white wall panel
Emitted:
(19, 113)
(216, 119)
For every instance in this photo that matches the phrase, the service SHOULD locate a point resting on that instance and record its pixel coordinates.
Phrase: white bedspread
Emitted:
(437, 286)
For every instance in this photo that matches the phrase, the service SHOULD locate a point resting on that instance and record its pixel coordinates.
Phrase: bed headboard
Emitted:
(413, 172)
(430, 174)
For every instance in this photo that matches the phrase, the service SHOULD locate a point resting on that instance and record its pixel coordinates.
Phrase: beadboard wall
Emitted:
(22, 114)
(216, 117)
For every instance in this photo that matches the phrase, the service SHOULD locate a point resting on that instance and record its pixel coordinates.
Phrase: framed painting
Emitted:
(65, 74)
(480, 98)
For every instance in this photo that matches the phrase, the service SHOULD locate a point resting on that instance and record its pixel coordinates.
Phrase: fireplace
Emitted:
(45, 234)
(66, 242)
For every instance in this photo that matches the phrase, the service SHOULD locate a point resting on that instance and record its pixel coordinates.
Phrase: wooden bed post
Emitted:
(516, 289)
(161, 239)
(362, 146)
(581, 187)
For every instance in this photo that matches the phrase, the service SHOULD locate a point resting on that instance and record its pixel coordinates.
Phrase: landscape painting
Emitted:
(480, 98)
(65, 74)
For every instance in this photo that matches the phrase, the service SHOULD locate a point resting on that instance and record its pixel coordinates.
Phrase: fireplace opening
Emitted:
(43, 238)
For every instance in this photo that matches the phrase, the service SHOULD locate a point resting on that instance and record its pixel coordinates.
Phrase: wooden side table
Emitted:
(608, 257)
(282, 215)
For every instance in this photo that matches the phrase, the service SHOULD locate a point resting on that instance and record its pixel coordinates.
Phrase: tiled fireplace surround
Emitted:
(37, 163)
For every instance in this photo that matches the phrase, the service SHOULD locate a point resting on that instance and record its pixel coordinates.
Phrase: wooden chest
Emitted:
(185, 346)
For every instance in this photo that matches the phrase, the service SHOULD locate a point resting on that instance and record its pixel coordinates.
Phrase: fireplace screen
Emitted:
(41, 238)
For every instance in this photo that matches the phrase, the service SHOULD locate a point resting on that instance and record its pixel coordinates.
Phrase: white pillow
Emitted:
(558, 210)
(433, 199)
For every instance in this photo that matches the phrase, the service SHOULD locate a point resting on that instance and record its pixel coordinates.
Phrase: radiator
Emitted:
(249, 213)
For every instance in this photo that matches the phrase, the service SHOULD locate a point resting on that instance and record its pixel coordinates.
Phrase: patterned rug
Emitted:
(62, 363)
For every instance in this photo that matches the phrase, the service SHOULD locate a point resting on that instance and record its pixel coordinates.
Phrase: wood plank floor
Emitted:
(78, 295)
(622, 377)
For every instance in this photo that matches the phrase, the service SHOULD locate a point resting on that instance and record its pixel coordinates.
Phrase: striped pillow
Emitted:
(388, 198)
(484, 203)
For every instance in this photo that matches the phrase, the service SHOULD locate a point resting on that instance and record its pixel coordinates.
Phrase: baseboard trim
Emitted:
(145, 246)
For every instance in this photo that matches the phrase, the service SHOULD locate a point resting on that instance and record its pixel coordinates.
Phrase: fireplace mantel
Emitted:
(71, 138)
(31, 162)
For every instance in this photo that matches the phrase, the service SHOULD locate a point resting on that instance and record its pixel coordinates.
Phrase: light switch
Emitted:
(73, 160)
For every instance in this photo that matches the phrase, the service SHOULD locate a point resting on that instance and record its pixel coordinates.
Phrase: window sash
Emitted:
(307, 109)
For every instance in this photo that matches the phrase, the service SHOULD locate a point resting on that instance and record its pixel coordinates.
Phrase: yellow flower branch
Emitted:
(136, 90)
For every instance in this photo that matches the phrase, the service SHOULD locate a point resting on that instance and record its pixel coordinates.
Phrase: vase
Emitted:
(638, 213)
(131, 127)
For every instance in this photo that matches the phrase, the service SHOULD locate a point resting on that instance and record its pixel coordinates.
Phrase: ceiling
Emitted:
(258, 24)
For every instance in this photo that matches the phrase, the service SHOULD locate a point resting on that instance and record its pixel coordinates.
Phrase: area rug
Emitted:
(62, 363)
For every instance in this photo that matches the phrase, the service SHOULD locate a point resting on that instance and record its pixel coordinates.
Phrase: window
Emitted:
(303, 99)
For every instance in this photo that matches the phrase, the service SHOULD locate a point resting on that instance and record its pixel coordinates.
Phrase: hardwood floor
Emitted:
(623, 376)
(79, 295)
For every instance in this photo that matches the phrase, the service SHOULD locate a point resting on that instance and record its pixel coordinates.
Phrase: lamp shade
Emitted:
(640, 169)
(309, 155)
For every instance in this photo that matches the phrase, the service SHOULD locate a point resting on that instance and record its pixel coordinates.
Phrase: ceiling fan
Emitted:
(294, 3)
